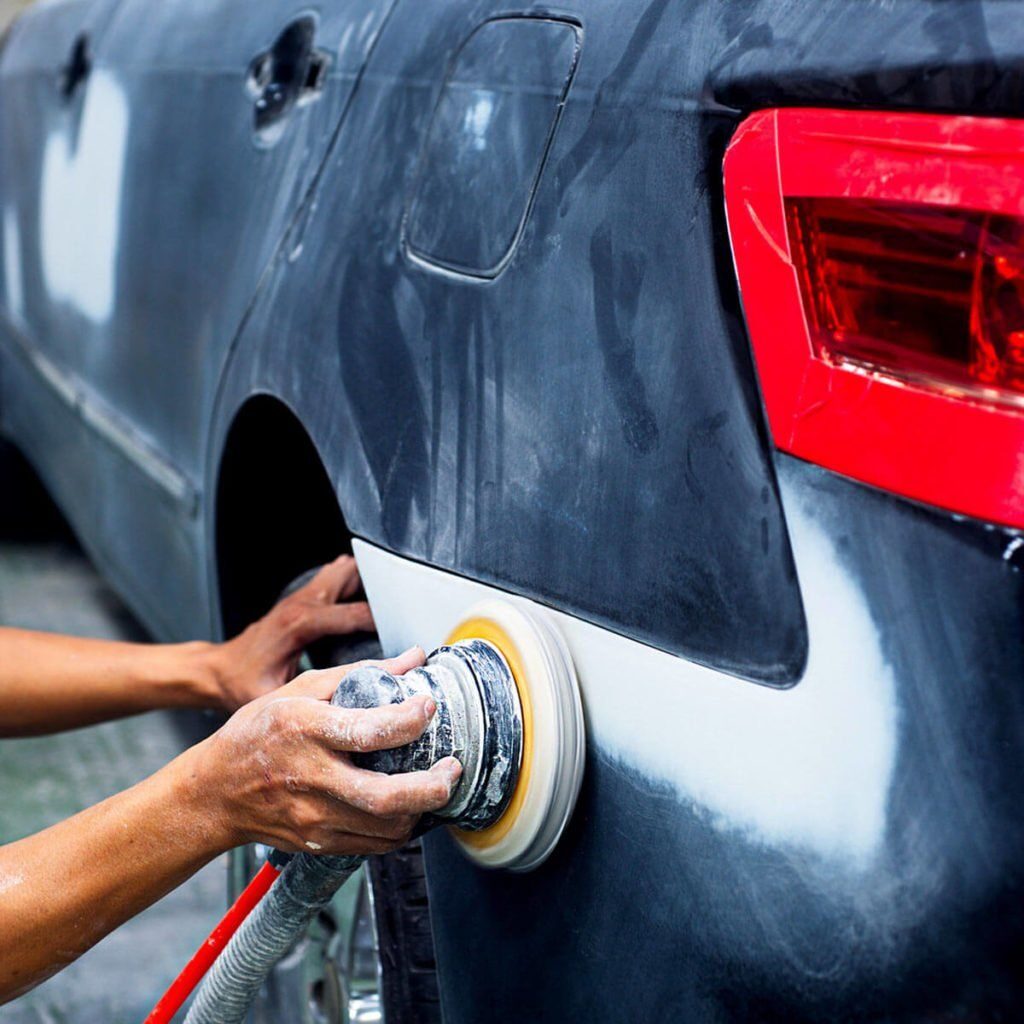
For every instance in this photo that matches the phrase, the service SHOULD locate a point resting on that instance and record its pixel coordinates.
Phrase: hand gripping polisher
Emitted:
(508, 707)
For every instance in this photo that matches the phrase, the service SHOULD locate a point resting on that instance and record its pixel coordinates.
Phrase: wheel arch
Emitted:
(276, 511)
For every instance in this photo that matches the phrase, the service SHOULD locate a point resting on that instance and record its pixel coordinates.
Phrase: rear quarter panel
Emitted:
(847, 848)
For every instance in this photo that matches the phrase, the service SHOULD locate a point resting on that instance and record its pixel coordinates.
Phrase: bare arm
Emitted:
(277, 772)
(49, 683)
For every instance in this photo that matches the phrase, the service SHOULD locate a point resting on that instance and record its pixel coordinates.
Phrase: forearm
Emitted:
(49, 682)
(62, 890)
(279, 772)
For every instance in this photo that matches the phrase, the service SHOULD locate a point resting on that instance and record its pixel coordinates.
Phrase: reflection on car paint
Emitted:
(80, 201)
(14, 293)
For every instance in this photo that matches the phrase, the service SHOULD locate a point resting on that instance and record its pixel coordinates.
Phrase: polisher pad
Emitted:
(553, 736)
(508, 706)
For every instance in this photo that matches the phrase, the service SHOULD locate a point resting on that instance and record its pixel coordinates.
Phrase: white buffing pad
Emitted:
(553, 736)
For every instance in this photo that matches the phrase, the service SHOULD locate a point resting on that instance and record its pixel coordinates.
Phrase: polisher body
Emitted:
(479, 720)
(508, 707)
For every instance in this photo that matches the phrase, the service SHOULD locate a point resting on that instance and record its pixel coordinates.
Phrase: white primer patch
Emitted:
(80, 201)
(809, 766)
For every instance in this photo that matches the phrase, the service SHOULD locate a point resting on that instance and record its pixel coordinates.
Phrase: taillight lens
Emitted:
(933, 295)
(880, 258)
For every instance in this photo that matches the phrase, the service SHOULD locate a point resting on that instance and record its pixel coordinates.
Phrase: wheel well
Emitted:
(276, 511)
(28, 512)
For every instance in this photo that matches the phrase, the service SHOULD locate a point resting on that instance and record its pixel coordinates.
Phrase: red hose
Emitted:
(202, 960)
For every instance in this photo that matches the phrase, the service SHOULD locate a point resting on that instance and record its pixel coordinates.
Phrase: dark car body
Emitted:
(473, 261)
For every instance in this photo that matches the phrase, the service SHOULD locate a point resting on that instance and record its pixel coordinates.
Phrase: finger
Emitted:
(402, 663)
(321, 683)
(339, 816)
(335, 581)
(358, 730)
(343, 844)
(405, 793)
(317, 682)
(336, 620)
(397, 828)
(322, 811)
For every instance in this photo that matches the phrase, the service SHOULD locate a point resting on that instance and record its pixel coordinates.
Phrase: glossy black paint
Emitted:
(585, 429)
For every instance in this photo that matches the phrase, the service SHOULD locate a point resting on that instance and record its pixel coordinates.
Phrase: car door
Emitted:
(202, 126)
(47, 310)
(232, 109)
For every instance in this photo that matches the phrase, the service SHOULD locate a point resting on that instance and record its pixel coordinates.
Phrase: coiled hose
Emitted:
(304, 887)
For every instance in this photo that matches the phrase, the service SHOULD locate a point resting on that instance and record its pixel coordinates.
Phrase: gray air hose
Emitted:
(304, 887)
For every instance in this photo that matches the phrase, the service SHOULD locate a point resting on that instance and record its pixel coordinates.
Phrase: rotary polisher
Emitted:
(508, 707)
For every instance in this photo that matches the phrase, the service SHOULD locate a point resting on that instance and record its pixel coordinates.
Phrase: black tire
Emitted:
(405, 939)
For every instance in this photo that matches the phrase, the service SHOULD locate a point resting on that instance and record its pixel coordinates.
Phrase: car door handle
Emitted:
(291, 71)
(78, 67)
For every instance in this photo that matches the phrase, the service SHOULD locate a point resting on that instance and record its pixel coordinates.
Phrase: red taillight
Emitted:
(881, 264)
(927, 294)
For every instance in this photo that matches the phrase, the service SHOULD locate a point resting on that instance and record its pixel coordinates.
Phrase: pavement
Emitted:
(47, 583)
(10, 9)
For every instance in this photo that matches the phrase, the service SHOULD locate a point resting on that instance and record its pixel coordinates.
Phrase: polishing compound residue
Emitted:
(808, 766)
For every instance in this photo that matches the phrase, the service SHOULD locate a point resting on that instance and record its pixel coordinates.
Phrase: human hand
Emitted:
(265, 655)
(280, 772)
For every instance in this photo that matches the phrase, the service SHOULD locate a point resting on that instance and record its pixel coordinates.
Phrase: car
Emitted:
(694, 324)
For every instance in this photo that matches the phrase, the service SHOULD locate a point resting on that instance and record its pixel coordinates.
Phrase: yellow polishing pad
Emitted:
(553, 735)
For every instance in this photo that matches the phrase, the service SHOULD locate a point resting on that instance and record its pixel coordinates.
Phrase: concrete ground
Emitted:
(10, 9)
(47, 583)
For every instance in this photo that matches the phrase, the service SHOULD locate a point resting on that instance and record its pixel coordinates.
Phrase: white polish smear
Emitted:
(313, 846)
(1012, 548)
(807, 767)
(9, 881)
